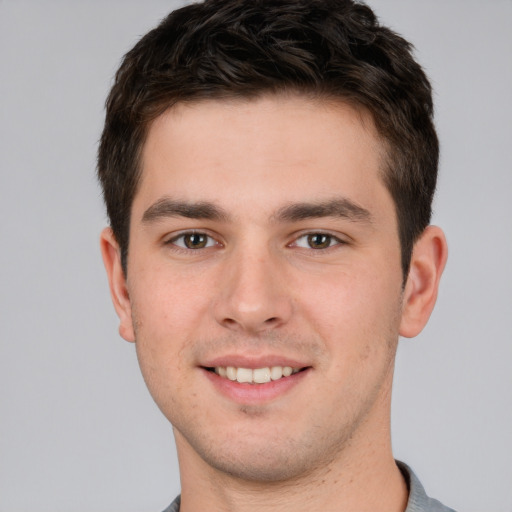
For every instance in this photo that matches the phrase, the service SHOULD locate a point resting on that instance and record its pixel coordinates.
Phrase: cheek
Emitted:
(167, 303)
(354, 311)
(160, 344)
(158, 315)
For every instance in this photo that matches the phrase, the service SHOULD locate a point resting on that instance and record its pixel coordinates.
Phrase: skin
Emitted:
(260, 290)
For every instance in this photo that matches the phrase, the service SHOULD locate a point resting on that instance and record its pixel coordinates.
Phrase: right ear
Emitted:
(117, 281)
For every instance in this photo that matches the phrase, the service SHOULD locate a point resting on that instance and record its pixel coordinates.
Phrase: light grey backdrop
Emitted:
(78, 430)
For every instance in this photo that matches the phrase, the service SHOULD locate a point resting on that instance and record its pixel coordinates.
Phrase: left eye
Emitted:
(193, 241)
(316, 241)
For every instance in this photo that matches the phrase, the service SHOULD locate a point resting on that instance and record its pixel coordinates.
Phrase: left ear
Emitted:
(428, 260)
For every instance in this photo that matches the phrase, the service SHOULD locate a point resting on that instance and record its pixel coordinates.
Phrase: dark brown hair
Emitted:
(234, 48)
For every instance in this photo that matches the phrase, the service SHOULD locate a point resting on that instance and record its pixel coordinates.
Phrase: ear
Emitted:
(428, 260)
(117, 281)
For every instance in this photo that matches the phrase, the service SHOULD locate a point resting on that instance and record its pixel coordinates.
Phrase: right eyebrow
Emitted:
(167, 207)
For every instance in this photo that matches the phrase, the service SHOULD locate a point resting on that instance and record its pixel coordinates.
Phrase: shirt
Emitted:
(418, 499)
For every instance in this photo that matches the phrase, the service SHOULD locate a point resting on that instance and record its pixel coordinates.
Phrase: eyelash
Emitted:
(209, 239)
(332, 241)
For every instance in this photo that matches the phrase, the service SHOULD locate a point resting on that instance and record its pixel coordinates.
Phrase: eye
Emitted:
(317, 241)
(193, 240)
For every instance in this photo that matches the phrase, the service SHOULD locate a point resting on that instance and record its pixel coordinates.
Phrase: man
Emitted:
(268, 169)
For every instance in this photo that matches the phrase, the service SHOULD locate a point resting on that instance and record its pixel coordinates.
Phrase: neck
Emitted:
(378, 488)
(364, 477)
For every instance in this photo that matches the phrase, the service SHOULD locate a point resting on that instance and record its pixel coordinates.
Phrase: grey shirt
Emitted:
(418, 499)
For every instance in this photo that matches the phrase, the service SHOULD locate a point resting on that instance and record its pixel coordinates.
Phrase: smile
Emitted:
(255, 376)
(255, 383)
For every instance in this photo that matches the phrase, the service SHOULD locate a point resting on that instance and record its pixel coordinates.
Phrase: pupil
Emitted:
(319, 241)
(195, 241)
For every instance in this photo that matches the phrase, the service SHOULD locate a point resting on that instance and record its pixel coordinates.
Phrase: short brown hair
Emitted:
(233, 48)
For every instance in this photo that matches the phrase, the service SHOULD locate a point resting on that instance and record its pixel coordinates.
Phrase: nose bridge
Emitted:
(253, 295)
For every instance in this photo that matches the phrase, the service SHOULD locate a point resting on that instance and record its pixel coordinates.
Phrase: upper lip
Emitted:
(244, 361)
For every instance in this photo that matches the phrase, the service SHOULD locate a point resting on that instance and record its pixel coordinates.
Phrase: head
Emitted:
(268, 169)
(326, 49)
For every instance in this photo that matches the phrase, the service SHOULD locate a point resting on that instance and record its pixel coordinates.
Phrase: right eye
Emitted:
(193, 241)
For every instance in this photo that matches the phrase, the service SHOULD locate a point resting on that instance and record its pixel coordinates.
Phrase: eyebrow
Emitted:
(295, 212)
(167, 207)
(338, 207)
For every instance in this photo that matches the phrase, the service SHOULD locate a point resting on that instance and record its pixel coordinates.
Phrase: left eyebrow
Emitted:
(338, 207)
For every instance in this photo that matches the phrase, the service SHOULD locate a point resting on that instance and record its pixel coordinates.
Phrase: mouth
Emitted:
(255, 376)
(254, 382)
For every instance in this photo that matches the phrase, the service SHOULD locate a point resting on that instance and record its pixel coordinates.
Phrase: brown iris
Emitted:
(195, 240)
(319, 241)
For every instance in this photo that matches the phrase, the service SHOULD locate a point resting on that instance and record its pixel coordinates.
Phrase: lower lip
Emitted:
(245, 393)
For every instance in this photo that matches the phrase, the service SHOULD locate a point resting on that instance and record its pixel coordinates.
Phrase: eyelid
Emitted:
(171, 240)
(339, 240)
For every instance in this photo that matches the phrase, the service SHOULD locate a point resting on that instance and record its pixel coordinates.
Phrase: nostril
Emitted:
(251, 322)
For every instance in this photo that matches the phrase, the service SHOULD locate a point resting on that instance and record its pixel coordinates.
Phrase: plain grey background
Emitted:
(78, 430)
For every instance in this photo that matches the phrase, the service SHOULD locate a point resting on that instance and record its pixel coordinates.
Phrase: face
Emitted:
(263, 241)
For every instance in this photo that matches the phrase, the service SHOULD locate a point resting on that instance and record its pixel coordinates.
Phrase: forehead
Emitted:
(287, 110)
(271, 149)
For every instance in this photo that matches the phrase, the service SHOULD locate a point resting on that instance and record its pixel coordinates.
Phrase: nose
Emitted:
(253, 295)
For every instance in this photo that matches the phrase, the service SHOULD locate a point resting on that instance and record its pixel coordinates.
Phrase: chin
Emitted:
(253, 467)
(260, 459)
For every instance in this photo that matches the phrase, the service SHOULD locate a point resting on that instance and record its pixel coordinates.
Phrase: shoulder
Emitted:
(418, 499)
(174, 506)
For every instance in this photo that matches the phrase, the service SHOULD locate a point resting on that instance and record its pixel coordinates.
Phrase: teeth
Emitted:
(276, 372)
(261, 375)
(244, 375)
(256, 376)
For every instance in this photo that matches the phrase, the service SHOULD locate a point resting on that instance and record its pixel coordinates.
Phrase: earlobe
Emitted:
(117, 282)
(428, 260)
